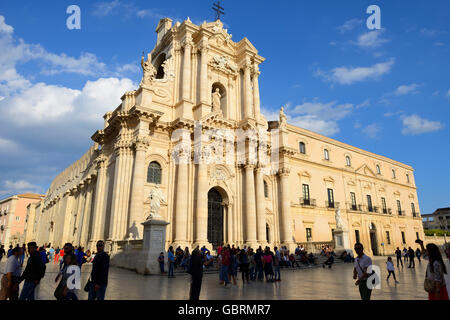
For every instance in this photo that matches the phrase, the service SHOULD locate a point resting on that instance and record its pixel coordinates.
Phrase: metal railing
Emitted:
(401, 212)
(308, 202)
(332, 205)
(355, 207)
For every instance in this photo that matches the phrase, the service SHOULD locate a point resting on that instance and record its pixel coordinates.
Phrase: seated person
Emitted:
(209, 260)
(312, 259)
(329, 261)
(293, 261)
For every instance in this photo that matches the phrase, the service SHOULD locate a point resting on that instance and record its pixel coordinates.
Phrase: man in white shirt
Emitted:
(10, 280)
(362, 262)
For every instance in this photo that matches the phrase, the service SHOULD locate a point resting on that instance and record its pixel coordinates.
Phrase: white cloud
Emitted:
(414, 125)
(448, 93)
(42, 104)
(371, 39)
(371, 130)
(349, 25)
(20, 186)
(7, 146)
(349, 75)
(428, 32)
(4, 28)
(363, 104)
(407, 89)
(103, 9)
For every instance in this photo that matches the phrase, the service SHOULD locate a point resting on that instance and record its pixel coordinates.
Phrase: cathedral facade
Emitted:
(163, 153)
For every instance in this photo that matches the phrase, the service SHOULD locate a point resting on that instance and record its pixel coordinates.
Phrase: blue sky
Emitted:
(385, 91)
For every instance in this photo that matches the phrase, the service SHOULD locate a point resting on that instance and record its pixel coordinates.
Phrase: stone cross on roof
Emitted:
(218, 9)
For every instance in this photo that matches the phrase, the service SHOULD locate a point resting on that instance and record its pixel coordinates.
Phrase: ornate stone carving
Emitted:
(283, 118)
(339, 222)
(149, 71)
(284, 172)
(141, 143)
(218, 175)
(224, 65)
(169, 70)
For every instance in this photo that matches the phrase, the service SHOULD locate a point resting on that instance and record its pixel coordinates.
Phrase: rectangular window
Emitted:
(407, 178)
(330, 198)
(383, 203)
(369, 203)
(399, 208)
(403, 237)
(353, 197)
(306, 194)
(357, 235)
(417, 235)
(388, 237)
(308, 234)
(413, 209)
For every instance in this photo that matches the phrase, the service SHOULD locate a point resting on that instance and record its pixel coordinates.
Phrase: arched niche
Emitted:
(159, 66)
(223, 97)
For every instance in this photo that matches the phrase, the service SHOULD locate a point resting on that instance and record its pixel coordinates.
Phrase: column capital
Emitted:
(249, 166)
(284, 172)
(101, 161)
(188, 43)
(141, 143)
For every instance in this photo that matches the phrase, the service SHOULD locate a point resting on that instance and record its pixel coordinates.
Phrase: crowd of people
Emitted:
(70, 261)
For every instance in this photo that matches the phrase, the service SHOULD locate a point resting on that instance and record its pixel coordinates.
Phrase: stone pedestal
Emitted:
(153, 245)
(341, 240)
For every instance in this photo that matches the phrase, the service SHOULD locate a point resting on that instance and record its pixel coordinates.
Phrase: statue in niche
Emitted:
(156, 199)
(216, 100)
(148, 69)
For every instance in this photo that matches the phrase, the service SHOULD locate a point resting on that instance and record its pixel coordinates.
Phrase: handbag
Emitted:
(60, 292)
(428, 285)
(88, 285)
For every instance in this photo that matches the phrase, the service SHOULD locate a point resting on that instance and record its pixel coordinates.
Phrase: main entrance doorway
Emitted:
(215, 218)
(373, 239)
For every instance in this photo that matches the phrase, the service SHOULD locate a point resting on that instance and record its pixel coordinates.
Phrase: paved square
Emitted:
(314, 283)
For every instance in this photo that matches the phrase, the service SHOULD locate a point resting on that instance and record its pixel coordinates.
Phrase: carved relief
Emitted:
(223, 64)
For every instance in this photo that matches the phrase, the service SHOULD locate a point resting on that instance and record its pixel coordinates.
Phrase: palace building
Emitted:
(197, 73)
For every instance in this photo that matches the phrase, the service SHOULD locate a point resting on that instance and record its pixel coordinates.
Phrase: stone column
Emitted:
(230, 225)
(78, 223)
(256, 104)
(247, 91)
(260, 206)
(117, 200)
(137, 190)
(98, 223)
(181, 208)
(250, 206)
(83, 235)
(186, 84)
(204, 73)
(201, 216)
(285, 216)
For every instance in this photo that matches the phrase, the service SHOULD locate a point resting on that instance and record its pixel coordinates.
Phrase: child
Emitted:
(161, 261)
(390, 269)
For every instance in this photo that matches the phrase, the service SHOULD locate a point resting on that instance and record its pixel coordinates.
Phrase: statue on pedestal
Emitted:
(339, 221)
(156, 199)
(148, 69)
(283, 118)
(216, 100)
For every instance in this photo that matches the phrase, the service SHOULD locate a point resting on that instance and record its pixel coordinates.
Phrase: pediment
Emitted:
(351, 183)
(364, 169)
(328, 179)
(397, 193)
(356, 224)
(304, 174)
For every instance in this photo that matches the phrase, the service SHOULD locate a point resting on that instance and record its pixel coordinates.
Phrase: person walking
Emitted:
(10, 280)
(411, 256)
(34, 272)
(10, 251)
(56, 255)
(2, 252)
(225, 264)
(244, 265)
(99, 273)
(276, 264)
(362, 263)
(268, 269)
(418, 254)
(195, 269)
(259, 264)
(434, 278)
(171, 262)
(63, 292)
(398, 254)
(390, 268)
(405, 255)
(161, 262)
(22, 256)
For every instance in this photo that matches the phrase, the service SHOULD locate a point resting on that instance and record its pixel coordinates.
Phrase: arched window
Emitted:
(159, 66)
(393, 174)
(347, 160)
(326, 154)
(302, 148)
(154, 173)
(378, 169)
(266, 190)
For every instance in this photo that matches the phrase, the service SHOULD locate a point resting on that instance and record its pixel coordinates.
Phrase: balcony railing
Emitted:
(385, 210)
(389, 211)
(401, 212)
(308, 202)
(370, 208)
(332, 205)
(354, 207)
(376, 209)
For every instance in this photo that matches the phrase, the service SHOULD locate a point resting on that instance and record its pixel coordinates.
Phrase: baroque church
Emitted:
(197, 73)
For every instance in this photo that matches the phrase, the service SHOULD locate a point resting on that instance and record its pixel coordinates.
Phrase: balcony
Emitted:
(401, 212)
(384, 210)
(354, 207)
(307, 202)
(370, 208)
(376, 209)
(332, 205)
(389, 211)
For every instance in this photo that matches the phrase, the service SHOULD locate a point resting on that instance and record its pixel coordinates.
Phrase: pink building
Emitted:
(13, 213)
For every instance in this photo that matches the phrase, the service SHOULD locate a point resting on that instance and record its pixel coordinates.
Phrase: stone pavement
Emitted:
(314, 283)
